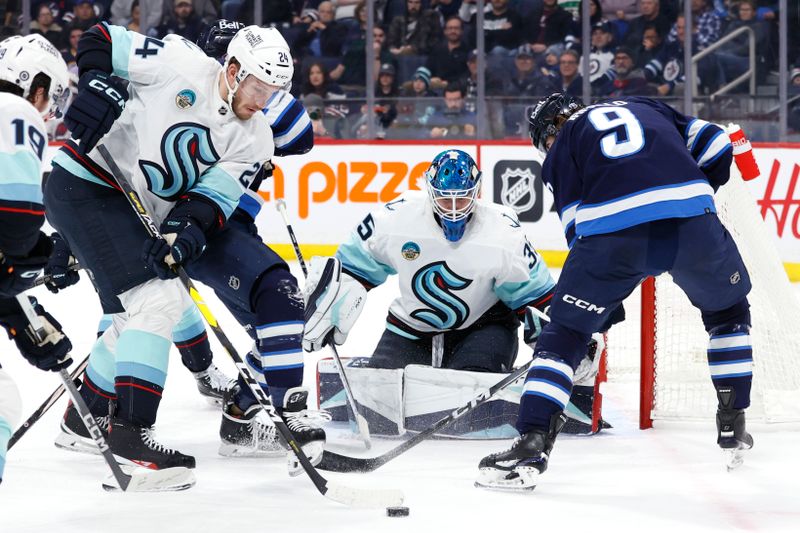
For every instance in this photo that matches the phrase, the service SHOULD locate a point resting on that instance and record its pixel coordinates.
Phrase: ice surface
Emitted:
(671, 478)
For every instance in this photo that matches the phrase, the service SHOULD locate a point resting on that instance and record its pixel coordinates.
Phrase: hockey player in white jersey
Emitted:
(191, 133)
(33, 85)
(465, 267)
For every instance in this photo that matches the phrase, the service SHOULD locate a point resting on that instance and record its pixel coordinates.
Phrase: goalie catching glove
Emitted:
(333, 303)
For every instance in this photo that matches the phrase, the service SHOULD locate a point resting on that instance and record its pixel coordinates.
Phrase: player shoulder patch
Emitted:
(410, 251)
(185, 99)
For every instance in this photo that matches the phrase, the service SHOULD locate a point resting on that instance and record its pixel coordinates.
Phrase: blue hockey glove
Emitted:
(52, 352)
(57, 269)
(17, 274)
(100, 101)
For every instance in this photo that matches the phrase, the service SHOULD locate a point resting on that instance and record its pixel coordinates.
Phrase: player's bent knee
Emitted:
(565, 343)
(281, 284)
(737, 314)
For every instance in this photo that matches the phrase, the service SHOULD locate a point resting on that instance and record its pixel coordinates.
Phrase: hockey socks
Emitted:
(730, 360)
(546, 392)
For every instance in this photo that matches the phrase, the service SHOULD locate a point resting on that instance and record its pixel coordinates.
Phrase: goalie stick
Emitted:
(335, 462)
(361, 421)
(140, 479)
(334, 491)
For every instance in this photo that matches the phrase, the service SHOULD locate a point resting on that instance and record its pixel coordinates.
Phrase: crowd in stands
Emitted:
(426, 59)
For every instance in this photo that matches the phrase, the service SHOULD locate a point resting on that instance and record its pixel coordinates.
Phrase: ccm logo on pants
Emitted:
(582, 304)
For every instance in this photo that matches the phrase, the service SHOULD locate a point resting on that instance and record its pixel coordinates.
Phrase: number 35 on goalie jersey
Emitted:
(445, 285)
(625, 162)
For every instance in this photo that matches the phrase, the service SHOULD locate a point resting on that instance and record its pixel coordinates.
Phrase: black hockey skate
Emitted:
(732, 436)
(75, 437)
(252, 434)
(136, 446)
(213, 384)
(518, 468)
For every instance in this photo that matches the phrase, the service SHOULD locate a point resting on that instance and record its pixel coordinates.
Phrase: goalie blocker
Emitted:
(412, 399)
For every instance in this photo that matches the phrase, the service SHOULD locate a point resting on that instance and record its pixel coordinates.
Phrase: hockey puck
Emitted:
(397, 511)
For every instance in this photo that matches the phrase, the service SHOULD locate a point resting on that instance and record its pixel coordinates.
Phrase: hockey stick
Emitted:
(361, 422)
(334, 462)
(123, 479)
(47, 404)
(334, 491)
(41, 280)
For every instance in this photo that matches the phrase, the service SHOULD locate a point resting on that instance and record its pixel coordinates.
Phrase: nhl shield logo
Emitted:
(234, 283)
(185, 99)
(410, 251)
(517, 191)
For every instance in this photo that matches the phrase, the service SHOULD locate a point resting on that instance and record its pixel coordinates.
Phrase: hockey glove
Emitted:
(333, 303)
(100, 101)
(60, 276)
(18, 274)
(533, 325)
(587, 370)
(52, 353)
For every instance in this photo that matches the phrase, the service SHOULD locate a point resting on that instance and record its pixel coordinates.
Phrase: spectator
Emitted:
(317, 81)
(46, 26)
(623, 10)
(623, 79)
(446, 8)
(447, 61)
(502, 27)
(70, 52)
(553, 27)
(649, 13)
(549, 63)
(734, 57)
(573, 40)
(469, 83)
(122, 12)
(276, 13)
(415, 112)
(524, 80)
(184, 22)
(415, 32)
(207, 10)
(83, 15)
(706, 25)
(314, 107)
(602, 53)
(665, 70)
(318, 33)
(352, 71)
(454, 121)
(133, 25)
(651, 46)
(385, 103)
(568, 79)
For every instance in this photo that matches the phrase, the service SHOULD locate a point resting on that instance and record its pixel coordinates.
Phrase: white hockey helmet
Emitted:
(264, 53)
(23, 57)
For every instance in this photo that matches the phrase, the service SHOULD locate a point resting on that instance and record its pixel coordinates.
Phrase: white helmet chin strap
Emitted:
(231, 90)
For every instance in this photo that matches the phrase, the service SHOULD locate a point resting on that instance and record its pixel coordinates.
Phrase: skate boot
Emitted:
(135, 445)
(213, 384)
(732, 436)
(75, 437)
(249, 433)
(300, 421)
(518, 468)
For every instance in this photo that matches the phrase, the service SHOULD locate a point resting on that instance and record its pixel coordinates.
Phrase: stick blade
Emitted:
(364, 498)
(146, 480)
(333, 462)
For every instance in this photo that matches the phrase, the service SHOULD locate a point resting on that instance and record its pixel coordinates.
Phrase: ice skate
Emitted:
(249, 433)
(136, 446)
(75, 437)
(213, 384)
(519, 467)
(732, 436)
(301, 423)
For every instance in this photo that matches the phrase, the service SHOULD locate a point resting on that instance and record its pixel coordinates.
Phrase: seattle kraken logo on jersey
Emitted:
(433, 285)
(183, 145)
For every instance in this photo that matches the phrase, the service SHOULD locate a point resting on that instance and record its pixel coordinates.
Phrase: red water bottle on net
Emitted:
(743, 153)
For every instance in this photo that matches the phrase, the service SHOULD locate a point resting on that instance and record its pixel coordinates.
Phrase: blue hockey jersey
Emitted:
(629, 161)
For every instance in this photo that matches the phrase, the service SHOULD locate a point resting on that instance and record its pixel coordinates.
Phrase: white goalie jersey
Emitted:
(176, 133)
(445, 285)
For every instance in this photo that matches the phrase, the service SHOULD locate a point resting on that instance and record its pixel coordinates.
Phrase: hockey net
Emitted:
(663, 344)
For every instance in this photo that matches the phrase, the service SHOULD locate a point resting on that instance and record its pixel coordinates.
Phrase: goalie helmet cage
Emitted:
(664, 340)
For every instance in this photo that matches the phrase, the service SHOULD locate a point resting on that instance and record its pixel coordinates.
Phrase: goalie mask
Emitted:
(453, 182)
(548, 116)
(23, 58)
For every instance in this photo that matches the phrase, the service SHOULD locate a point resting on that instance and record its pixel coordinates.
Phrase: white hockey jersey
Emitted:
(176, 133)
(23, 140)
(445, 285)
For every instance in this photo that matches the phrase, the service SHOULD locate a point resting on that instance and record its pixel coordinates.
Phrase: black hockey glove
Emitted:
(60, 276)
(52, 353)
(100, 101)
(17, 274)
(184, 232)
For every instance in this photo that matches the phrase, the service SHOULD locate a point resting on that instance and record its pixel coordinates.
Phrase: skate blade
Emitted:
(521, 480)
(76, 443)
(213, 401)
(312, 450)
(146, 480)
(235, 450)
(734, 458)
